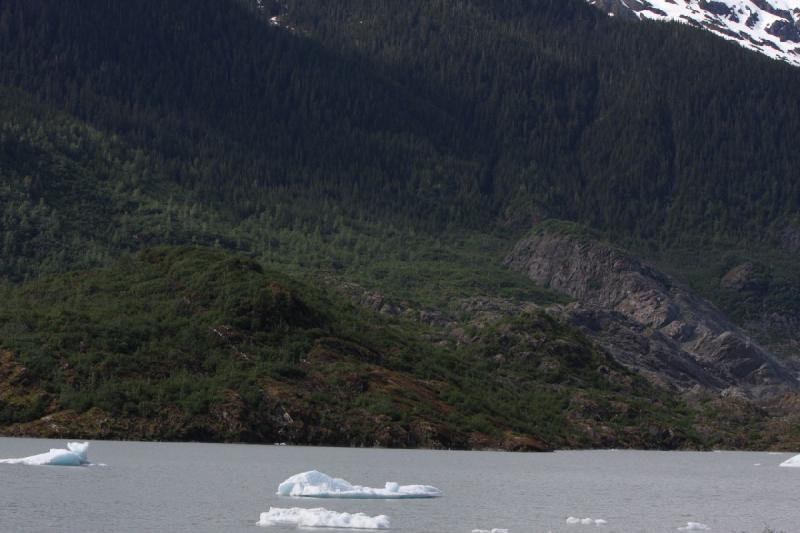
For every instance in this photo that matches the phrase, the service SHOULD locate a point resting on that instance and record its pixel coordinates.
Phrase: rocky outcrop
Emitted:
(789, 237)
(647, 320)
(747, 277)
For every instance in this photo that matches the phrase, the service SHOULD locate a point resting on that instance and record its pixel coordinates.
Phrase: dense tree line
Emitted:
(444, 112)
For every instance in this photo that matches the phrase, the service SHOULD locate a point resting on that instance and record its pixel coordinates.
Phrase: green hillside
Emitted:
(189, 343)
(399, 146)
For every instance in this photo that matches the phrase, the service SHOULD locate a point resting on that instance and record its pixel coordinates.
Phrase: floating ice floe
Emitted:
(74, 455)
(277, 516)
(793, 462)
(493, 530)
(694, 526)
(315, 484)
(572, 520)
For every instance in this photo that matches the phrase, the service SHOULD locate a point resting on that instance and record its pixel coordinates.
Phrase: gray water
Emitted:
(224, 487)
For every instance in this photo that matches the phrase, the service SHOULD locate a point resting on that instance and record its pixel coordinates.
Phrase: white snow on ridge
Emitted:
(794, 462)
(315, 484)
(319, 517)
(766, 26)
(74, 455)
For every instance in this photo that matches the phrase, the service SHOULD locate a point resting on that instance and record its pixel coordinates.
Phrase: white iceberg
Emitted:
(315, 484)
(586, 521)
(794, 462)
(694, 526)
(277, 516)
(74, 455)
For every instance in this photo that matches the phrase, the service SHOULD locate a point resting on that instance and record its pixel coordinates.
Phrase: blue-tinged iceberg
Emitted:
(315, 484)
(74, 455)
(277, 516)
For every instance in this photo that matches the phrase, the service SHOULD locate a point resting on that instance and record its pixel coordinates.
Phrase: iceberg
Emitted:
(74, 455)
(277, 516)
(493, 530)
(794, 462)
(586, 521)
(694, 526)
(313, 484)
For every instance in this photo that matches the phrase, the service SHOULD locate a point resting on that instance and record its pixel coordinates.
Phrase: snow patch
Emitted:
(794, 462)
(751, 23)
(314, 484)
(319, 517)
(694, 526)
(74, 455)
(572, 520)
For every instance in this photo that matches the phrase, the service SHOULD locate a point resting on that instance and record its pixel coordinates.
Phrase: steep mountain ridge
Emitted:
(771, 27)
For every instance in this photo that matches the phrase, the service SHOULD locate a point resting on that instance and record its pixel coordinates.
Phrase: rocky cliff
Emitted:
(647, 320)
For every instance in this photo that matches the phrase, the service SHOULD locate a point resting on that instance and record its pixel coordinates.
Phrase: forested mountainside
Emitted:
(449, 112)
(402, 148)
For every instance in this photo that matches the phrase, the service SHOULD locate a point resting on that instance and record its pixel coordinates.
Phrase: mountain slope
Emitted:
(189, 343)
(771, 27)
(404, 146)
(432, 114)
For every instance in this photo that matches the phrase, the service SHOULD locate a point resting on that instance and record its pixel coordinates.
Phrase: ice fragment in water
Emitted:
(315, 484)
(694, 526)
(74, 455)
(493, 530)
(586, 521)
(793, 462)
(277, 516)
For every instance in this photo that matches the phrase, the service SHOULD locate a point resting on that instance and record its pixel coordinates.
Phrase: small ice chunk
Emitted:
(694, 526)
(315, 484)
(74, 455)
(493, 530)
(794, 462)
(573, 520)
(319, 517)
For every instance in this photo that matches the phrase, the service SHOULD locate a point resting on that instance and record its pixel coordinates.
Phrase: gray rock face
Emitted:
(647, 321)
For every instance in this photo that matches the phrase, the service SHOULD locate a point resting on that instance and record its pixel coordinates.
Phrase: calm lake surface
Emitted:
(224, 487)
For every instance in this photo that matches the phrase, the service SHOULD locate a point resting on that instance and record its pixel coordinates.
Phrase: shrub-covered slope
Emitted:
(190, 343)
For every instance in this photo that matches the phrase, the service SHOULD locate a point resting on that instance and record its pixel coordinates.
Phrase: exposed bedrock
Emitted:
(647, 320)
